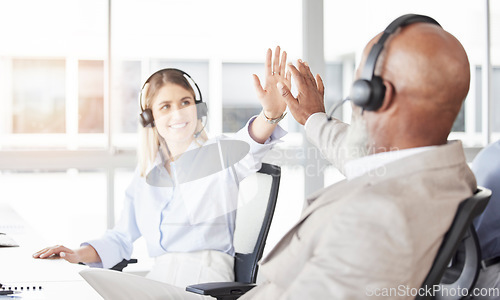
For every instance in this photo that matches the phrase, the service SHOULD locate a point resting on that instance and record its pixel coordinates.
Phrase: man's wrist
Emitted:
(312, 116)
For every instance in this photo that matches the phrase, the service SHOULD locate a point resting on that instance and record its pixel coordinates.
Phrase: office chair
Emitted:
(253, 221)
(121, 265)
(267, 169)
(454, 269)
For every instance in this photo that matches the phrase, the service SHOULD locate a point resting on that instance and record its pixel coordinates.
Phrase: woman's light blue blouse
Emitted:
(191, 216)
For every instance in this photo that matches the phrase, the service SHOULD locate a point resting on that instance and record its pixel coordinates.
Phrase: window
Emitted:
(52, 69)
(334, 92)
(90, 96)
(344, 45)
(495, 93)
(39, 88)
(126, 88)
(239, 98)
(70, 108)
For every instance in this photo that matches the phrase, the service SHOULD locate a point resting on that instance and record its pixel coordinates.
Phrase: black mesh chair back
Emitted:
(458, 260)
(253, 220)
(256, 204)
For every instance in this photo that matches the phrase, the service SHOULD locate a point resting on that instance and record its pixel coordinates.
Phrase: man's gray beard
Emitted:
(356, 142)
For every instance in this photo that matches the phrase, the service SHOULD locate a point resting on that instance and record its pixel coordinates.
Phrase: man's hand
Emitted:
(310, 93)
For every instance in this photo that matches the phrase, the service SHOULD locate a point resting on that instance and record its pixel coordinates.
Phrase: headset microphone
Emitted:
(335, 107)
(197, 134)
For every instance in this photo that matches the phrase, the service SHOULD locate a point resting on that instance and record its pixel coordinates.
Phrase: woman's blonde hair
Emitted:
(149, 138)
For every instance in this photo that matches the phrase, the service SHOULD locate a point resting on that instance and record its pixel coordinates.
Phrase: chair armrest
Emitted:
(221, 290)
(121, 265)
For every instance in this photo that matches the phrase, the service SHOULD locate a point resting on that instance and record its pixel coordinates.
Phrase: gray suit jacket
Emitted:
(376, 235)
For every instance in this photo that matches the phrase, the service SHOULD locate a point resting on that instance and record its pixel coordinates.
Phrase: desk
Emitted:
(58, 278)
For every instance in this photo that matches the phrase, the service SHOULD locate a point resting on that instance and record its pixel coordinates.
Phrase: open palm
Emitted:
(269, 96)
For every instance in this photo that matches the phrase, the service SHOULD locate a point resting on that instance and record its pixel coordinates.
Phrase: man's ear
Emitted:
(390, 92)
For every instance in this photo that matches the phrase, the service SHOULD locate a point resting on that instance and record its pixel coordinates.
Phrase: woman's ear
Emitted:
(390, 92)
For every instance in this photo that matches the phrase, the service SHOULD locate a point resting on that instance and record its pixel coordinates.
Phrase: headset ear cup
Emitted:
(146, 118)
(361, 93)
(368, 95)
(378, 94)
(201, 110)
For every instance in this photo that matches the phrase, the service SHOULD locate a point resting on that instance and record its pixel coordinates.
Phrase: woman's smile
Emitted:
(178, 125)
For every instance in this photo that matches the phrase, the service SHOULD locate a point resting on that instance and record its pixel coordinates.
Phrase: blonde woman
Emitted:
(179, 200)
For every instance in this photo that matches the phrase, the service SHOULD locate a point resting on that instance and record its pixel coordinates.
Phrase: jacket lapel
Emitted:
(329, 194)
(442, 157)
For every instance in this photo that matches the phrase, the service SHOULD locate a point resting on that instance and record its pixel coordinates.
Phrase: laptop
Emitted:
(115, 285)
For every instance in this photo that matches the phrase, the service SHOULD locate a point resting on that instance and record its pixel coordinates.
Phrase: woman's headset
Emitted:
(146, 116)
(368, 92)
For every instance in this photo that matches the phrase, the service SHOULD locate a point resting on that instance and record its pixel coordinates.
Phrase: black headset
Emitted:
(368, 92)
(146, 116)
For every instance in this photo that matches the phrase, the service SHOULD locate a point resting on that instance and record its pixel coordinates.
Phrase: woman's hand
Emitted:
(58, 251)
(270, 97)
(85, 254)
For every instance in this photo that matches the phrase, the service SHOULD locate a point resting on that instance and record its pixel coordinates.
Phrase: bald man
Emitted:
(377, 232)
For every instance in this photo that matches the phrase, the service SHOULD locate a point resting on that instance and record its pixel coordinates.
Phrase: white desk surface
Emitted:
(58, 278)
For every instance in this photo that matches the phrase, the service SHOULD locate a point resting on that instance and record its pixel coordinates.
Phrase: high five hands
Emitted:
(269, 96)
(310, 97)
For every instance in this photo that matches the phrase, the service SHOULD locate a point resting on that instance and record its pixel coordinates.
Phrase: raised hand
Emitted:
(310, 97)
(272, 102)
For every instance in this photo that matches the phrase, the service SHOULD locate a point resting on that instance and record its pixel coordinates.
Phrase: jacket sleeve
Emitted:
(338, 266)
(328, 136)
